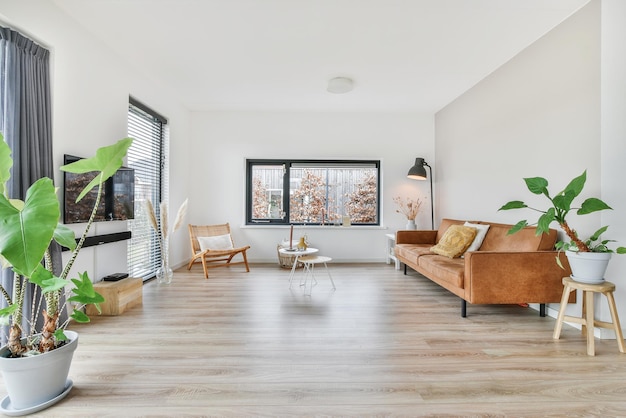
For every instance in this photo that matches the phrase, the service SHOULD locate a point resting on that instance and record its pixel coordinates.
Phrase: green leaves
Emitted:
(105, 163)
(6, 162)
(560, 206)
(514, 204)
(543, 224)
(27, 228)
(65, 236)
(26, 232)
(537, 185)
(46, 280)
(576, 185)
(84, 293)
(592, 205)
(517, 227)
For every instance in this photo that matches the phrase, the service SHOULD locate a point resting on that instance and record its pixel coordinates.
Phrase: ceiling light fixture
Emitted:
(339, 85)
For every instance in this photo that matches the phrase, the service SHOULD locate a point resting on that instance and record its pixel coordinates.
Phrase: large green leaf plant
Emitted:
(561, 205)
(27, 228)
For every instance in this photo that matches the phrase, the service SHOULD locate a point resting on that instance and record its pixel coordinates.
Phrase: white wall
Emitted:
(537, 115)
(90, 90)
(613, 148)
(553, 111)
(223, 140)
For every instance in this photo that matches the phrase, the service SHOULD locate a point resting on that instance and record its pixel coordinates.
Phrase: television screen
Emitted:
(116, 203)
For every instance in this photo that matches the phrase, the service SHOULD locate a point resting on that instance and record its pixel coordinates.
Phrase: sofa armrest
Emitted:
(514, 277)
(416, 237)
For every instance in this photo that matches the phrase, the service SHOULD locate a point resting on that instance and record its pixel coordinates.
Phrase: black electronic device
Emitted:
(115, 277)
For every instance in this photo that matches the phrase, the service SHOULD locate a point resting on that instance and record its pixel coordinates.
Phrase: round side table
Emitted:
(296, 254)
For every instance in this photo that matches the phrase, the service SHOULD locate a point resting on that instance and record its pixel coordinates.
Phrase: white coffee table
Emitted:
(309, 262)
(296, 254)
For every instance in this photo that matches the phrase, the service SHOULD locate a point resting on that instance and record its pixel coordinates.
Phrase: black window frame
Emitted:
(288, 163)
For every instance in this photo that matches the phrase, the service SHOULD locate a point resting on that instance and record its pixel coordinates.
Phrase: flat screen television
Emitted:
(117, 202)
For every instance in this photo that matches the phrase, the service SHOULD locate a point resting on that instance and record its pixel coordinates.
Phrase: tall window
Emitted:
(147, 156)
(314, 192)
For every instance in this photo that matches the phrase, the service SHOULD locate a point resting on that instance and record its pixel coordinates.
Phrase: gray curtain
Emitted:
(25, 122)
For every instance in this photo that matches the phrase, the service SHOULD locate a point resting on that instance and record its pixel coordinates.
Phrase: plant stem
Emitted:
(582, 247)
(15, 333)
(47, 342)
(6, 295)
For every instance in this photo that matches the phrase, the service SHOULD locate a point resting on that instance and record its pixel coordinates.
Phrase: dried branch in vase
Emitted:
(408, 207)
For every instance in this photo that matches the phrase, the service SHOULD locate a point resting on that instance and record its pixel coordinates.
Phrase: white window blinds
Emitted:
(146, 156)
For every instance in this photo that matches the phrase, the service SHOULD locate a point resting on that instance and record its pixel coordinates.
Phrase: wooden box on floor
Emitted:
(118, 296)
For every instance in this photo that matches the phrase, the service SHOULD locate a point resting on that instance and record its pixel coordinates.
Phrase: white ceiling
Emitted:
(404, 55)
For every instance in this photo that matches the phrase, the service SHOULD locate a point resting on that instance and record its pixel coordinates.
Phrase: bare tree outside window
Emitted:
(319, 192)
(362, 204)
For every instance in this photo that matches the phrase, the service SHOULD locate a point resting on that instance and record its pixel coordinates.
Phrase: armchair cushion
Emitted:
(218, 242)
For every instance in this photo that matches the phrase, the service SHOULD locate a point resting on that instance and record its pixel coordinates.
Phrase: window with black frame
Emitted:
(312, 192)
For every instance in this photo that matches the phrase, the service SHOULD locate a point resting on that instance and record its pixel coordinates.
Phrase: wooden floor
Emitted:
(382, 344)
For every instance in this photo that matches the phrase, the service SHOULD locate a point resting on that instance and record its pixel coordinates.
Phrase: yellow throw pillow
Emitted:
(455, 241)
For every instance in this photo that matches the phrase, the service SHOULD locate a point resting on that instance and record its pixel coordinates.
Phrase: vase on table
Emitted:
(411, 224)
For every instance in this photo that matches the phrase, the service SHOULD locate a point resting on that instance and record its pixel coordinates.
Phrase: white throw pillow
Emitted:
(218, 242)
(480, 236)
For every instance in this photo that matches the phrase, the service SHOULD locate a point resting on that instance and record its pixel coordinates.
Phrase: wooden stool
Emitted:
(118, 296)
(587, 318)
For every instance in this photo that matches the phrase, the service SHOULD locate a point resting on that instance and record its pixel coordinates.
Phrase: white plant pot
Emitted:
(34, 383)
(411, 224)
(588, 267)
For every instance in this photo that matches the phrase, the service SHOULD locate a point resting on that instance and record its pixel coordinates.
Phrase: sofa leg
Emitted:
(542, 309)
(405, 269)
(463, 308)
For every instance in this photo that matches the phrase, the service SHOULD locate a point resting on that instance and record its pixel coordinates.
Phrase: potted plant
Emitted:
(27, 228)
(589, 257)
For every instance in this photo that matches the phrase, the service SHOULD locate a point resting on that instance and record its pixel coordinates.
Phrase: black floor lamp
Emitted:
(418, 172)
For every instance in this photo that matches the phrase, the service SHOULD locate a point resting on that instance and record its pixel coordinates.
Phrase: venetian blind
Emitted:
(147, 156)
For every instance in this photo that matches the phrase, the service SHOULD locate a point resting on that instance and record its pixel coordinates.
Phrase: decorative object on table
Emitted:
(29, 364)
(164, 273)
(409, 208)
(213, 246)
(287, 247)
(588, 258)
(285, 260)
(418, 172)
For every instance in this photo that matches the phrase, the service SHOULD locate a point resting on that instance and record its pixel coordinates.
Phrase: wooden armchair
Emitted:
(214, 247)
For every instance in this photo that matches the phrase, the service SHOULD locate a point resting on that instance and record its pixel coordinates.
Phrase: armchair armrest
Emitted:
(416, 237)
(514, 277)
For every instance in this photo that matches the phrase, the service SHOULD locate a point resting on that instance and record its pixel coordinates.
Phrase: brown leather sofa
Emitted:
(507, 269)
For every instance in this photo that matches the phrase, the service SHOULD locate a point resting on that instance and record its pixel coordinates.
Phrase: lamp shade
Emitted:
(418, 172)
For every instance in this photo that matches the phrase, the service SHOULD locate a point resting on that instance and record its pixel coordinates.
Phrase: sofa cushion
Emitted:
(498, 239)
(411, 251)
(449, 270)
(455, 241)
(481, 232)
